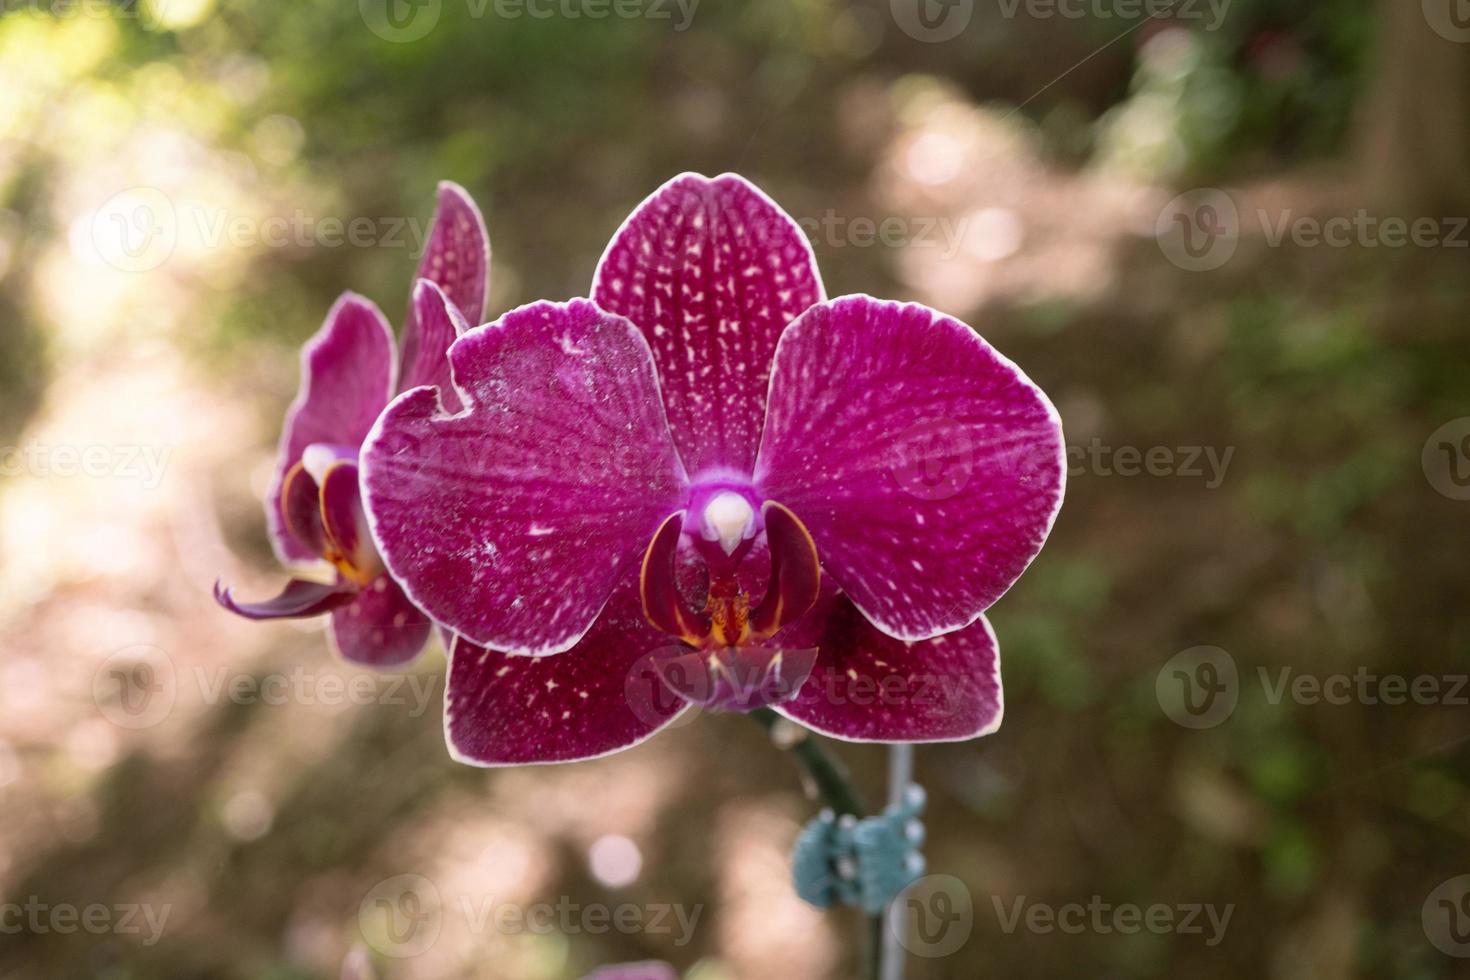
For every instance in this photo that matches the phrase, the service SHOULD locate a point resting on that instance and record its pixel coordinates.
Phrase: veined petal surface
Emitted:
(600, 696)
(512, 522)
(927, 467)
(868, 687)
(711, 270)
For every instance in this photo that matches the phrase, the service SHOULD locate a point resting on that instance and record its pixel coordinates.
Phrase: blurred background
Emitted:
(1227, 237)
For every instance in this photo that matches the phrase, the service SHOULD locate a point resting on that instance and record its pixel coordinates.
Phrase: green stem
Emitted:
(835, 787)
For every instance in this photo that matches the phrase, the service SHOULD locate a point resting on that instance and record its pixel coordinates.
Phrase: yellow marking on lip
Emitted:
(355, 568)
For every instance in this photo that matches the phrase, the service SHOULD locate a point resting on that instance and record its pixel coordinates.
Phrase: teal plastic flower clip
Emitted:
(863, 862)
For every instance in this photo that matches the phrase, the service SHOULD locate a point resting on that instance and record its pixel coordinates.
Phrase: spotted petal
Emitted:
(868, 687)
(380, 627)
(601, 696)
(346, 379)
(511, 523)
(711, 271)
(437, 324)
(927, 467)
(457, 260)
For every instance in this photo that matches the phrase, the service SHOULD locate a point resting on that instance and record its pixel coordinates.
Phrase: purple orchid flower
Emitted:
(712, 474)
(349, 373)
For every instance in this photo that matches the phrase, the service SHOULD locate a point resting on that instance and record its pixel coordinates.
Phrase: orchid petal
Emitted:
(345, 522)
(711, 271)
(301, 509)
(299, 599)
(512, 522)
(346, 379)
(651, 970)
(928, 468)
(380, 627)
(868, 687)
(439, 323)
(796, 573)
(597, 698)
(457, 260)
(664, 603)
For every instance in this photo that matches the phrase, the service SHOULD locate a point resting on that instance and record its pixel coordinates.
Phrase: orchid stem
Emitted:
(835, 787)
(833, 783)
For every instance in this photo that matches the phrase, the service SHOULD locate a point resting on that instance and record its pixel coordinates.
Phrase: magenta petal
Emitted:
(380, 628)
(511, 523)
(346, 379)
(599, 697)
(868, 687)
(439, 324)
(712, 271)
(456, 256)
(927, 467)
(299, 599)
(651, 970)
(345, 522)
(301, 510)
